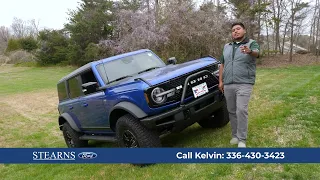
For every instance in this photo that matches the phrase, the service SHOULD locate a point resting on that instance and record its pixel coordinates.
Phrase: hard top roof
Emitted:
(93, 63)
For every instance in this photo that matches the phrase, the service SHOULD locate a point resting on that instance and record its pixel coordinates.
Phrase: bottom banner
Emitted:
(159, 155)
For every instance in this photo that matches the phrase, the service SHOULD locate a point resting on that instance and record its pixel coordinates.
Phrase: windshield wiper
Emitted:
(118, 79)
(148, 69)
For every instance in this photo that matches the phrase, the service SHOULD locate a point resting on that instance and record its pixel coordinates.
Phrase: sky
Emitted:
(49, 13)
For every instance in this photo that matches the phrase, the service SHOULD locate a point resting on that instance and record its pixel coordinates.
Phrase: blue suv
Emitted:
(134, 98)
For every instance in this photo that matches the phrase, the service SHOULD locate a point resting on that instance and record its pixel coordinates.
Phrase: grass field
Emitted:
(283, 112)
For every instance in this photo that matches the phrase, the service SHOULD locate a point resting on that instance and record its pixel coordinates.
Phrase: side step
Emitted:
(98, 138)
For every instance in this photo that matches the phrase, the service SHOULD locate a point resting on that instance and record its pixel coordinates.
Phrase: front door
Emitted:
(93, 112)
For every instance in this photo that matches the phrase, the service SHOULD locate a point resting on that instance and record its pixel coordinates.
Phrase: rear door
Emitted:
(73, 105)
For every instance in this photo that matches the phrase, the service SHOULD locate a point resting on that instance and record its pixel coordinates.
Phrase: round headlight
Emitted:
(159, 99)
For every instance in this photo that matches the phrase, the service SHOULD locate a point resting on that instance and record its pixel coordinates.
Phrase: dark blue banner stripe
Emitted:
(159, 155)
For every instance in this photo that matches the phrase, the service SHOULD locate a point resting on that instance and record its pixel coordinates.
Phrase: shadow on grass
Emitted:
(172, 140)
(187, 136)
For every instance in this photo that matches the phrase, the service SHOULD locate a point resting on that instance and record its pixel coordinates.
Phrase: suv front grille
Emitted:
(179, 81)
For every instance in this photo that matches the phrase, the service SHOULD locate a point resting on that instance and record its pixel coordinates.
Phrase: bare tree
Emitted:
(19, 28)
(267, 31)
(276, 23)
(243, 11)
(4, 38)
(296, 8)
(318, 27)
(185, 32)
(279, 12)
(284, 36)
(4, 34)
(292, 24)
(33, 28)
(259, 21)
(313, 27)
(157, 7)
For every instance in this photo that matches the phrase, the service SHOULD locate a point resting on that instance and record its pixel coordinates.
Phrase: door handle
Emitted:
(84, 104)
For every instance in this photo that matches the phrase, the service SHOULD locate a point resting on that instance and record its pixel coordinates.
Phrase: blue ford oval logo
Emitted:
(87, 155)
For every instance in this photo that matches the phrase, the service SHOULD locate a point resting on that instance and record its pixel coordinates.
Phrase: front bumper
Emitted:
(186, 114)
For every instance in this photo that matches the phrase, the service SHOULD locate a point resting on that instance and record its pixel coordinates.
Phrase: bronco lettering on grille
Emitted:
(198, 79)
(194, 81)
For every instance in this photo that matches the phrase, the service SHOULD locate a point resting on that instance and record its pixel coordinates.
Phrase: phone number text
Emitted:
(255, 155)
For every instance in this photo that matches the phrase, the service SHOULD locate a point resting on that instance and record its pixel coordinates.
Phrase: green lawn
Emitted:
(24, 79)
(283, 112)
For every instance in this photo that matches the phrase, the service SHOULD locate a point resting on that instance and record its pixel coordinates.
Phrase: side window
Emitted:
(62, 91)
(74, 87)
(103, 73)
(89, 82)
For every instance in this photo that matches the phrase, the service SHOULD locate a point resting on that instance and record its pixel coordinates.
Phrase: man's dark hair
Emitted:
(238, 23)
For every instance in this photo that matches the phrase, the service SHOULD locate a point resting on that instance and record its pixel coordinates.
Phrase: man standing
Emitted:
(236, 79)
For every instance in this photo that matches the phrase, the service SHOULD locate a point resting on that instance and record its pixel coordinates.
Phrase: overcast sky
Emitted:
(49, 13)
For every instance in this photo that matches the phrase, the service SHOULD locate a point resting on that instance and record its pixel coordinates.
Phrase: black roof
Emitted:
(90, 64)
(76, 72)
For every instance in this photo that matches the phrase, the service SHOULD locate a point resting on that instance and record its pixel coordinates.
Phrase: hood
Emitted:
(168, 72)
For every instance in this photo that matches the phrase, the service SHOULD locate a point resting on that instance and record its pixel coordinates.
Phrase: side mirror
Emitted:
(172, 60)
(89, 87)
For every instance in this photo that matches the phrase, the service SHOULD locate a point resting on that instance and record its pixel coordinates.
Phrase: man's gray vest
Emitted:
(241, 68)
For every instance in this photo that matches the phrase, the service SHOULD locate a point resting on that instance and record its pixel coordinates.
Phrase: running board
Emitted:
(98, 138)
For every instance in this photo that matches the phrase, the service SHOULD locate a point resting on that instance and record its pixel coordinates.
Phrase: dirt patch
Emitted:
(28, 115)
(286, 136)
(260, 102)
(283, 61)
(9, 68)
(292, 132)
(4, 60)
(7, 114)
(5, 111)
(34, 104)
(2, 139)
(262, 168)
(313, 100)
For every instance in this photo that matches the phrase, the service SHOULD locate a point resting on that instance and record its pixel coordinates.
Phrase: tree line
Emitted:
(185, 29)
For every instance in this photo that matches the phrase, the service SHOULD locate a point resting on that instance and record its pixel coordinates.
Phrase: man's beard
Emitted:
(239, 38)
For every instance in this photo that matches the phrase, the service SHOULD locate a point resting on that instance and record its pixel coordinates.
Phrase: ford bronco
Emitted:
(134, 98)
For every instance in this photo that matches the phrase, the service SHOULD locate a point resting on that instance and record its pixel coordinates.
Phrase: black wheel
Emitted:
(71, 137)
(218, 119)
(132, 134)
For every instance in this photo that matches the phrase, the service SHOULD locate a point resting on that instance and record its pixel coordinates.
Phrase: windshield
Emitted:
(129, 66)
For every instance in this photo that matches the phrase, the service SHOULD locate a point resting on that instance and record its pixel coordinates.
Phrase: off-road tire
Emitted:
(71, 137)
(145, 138)
(220, 118)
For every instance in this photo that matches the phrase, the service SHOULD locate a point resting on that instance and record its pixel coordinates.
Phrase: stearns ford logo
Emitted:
(87, 155)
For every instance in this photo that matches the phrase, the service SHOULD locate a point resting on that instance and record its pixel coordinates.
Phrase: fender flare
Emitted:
(70, 120)
(131, 108)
